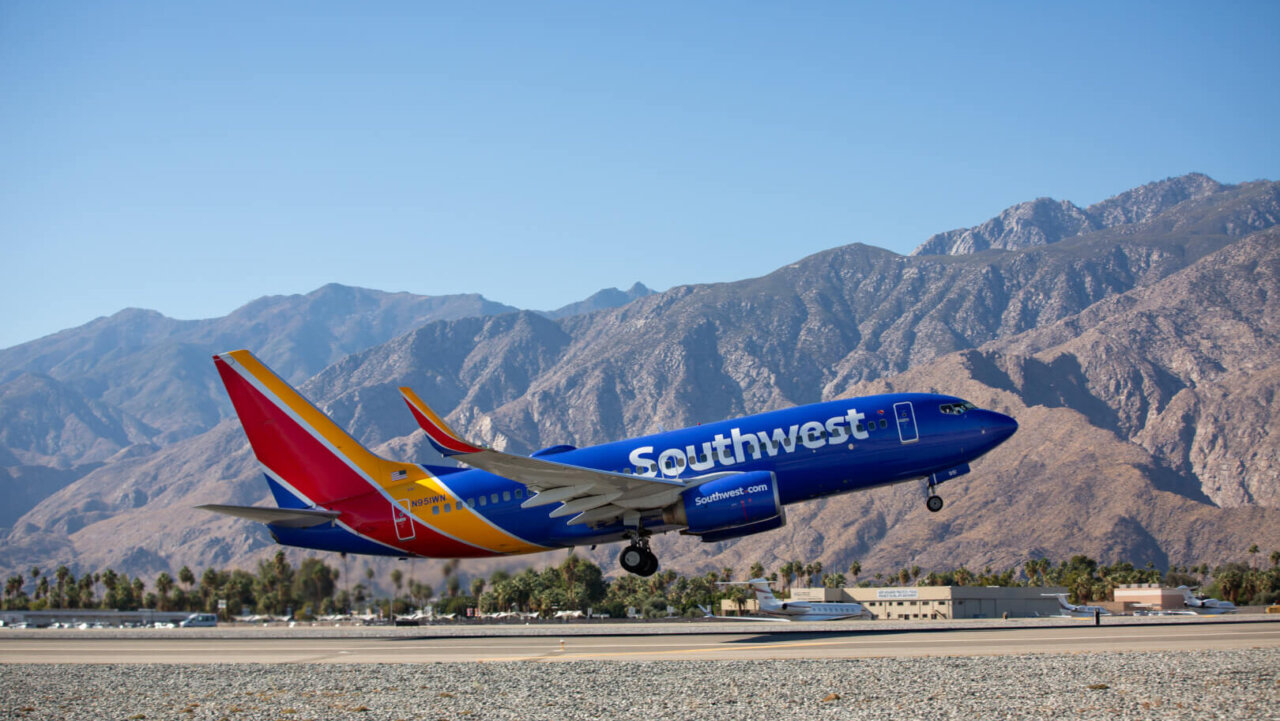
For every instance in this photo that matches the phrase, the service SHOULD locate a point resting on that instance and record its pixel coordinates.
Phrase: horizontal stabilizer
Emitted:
(287, 517)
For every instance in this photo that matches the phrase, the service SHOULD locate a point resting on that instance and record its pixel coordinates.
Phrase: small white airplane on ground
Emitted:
(262, 618)
(777, 609)
(1205, 606)
(1071, 610)
(415, 617)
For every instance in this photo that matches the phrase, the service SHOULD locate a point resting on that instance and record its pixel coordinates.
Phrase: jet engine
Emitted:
(745, 502)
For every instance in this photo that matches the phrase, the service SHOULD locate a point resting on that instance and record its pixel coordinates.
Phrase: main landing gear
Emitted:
(637, 558)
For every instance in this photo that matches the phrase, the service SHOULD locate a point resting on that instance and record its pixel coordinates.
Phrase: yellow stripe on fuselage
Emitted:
(417, 484)
(460, 521)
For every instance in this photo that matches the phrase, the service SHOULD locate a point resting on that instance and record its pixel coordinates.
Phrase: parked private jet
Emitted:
(1205, 606)
(715, 481)
(776, 609)
(1070, 610)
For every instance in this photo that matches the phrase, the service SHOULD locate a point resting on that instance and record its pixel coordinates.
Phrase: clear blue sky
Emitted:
(189, 157)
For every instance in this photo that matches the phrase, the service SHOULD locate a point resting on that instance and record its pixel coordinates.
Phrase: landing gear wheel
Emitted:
(650, 565)
(638, 560)
(934, 503)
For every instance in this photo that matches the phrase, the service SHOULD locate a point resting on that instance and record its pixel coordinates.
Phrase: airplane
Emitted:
(262, 618)
(717, 481)
(1071, 610)
(1205, 606)
(791, 610)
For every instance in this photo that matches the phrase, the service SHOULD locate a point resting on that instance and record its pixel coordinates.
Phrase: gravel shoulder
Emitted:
(1154, 685)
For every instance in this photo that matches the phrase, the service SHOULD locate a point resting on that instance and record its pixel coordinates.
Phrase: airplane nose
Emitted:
(1001, 426)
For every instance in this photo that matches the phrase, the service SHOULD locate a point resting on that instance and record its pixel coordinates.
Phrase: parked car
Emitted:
(199, 619)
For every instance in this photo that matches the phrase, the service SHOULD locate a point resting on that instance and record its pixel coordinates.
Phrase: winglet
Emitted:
(439, 433)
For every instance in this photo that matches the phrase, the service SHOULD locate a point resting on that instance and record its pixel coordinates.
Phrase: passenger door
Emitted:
(404, 523)
(906, 416)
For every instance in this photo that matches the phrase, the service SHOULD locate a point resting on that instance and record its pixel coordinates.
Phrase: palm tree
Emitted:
(756, 570)
(164, 584)
(1253, 552)
(855, 568)
(397, 579)
(64, 578)
(1275, 558)
(12, 585)
(817, 569)
(343, 556)
(915, 572)
(186, 577)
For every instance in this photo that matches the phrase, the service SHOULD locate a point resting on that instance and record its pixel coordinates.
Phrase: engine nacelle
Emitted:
(743, 499)
(768, 524)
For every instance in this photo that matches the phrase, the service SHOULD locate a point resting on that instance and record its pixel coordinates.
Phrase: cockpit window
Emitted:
(956, 409)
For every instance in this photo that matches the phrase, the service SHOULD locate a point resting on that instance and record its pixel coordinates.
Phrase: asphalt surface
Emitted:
(657, 642)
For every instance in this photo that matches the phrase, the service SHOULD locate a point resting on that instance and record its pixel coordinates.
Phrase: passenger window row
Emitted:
(871, 425)
(492, 498)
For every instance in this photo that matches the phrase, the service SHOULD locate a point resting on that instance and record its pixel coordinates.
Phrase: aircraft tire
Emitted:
(632, 559)
(934, 503)
(638, 560)
(650, 565)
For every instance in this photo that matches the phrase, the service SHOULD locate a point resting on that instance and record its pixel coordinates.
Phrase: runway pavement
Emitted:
(726, 644)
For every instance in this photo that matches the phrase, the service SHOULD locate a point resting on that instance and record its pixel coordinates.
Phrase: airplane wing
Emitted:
(595, 496)
(287, 517)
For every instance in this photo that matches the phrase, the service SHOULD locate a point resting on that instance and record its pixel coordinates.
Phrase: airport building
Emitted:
(931, 602)
(1147, 596)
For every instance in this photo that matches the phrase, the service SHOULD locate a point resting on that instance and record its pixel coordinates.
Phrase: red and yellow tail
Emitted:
(297, 442)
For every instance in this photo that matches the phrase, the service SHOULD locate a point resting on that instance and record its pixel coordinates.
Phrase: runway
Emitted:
(732, 645)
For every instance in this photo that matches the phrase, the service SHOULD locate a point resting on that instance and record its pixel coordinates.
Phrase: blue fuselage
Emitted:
(816, 450)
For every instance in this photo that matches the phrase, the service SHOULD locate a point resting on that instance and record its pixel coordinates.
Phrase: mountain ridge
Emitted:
(1044, 220)
(1008, 328)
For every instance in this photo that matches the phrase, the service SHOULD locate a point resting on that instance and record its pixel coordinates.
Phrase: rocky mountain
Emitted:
(603, 300)
(126, 385)
(1140, 359)
(1146, 435)
(154, 368)
(1044, 220)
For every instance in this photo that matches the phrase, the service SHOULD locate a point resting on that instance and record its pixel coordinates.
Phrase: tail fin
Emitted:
(761, 587)
(1062, 600)
(297, 443)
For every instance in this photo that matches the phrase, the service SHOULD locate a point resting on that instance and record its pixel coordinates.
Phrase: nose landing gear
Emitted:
(932, 500)
(637, 558)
